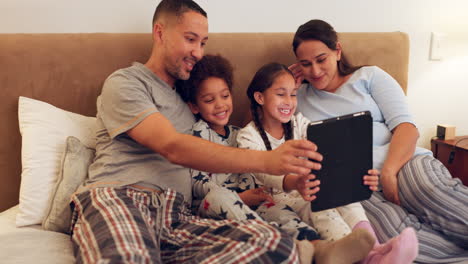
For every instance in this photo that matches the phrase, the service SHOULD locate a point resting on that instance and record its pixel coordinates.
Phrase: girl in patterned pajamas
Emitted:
(272, 94)
(236, 196)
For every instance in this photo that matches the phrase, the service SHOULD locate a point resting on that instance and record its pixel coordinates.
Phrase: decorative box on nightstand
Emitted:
(454, 155)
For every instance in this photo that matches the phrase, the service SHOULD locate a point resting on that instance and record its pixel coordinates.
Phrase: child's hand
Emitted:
(306, 185)
(297, 72)
(372, 179)
(256, 196)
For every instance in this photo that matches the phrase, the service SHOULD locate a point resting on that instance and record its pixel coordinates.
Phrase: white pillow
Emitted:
(44, 129)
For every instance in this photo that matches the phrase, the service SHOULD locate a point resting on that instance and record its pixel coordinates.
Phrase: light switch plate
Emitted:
(436, 46)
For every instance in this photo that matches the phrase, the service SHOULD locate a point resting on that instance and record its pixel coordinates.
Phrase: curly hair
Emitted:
(208, 66)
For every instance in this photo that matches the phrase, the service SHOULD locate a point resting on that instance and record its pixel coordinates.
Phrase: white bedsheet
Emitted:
(32, 244)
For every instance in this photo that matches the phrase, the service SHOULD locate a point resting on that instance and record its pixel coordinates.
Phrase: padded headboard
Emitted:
(67, 70)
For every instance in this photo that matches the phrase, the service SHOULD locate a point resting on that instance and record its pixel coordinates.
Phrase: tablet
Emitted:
(346, 145)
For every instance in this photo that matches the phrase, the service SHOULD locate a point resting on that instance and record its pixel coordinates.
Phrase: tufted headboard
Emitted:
(67, 70)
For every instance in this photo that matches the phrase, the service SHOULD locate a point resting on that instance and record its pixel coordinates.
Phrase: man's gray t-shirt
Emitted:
(129, 96)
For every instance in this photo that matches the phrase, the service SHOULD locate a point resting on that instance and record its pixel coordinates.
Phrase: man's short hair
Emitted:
(176, 8)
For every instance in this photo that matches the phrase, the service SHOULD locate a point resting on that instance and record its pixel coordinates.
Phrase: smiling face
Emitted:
(319, 64)
(183, 41)
(278, 102)
(214, 103)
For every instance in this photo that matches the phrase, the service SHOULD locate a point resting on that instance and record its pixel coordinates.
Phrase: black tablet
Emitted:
(346, 145)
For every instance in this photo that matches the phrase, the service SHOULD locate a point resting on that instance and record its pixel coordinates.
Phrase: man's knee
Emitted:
(278, 244)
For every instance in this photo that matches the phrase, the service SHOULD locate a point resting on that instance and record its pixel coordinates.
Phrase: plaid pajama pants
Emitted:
(126, 225)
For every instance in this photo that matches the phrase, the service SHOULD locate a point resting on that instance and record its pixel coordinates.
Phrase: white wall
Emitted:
(437, 91)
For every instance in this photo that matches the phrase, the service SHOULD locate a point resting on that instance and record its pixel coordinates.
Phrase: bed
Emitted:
(66, 71)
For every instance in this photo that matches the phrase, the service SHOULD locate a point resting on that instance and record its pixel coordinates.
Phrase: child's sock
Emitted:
(400, 249)
(367, 226)
(305, 251)
(351, 248)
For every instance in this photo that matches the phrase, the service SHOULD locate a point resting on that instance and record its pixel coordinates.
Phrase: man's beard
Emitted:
(177, 72)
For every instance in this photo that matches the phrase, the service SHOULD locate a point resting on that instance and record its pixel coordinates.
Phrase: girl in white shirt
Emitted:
(272, 94)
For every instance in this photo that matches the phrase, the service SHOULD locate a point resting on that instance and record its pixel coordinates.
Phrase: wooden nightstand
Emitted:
(459, 166)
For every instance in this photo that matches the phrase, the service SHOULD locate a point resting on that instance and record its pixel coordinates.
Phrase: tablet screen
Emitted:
(346, 145)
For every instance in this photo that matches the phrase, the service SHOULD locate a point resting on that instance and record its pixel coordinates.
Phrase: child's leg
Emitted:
(305, 251)
(330, 225)
(245, 181)
(288, 221)
(401, 249)
(352, 214)
(349, 249)
(367, 226)
(355, 216)
(221, 203)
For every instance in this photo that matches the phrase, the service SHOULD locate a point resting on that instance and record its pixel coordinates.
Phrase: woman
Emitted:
(421, 192)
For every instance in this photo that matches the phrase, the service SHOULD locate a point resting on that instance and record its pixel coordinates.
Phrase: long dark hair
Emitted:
(263, 80)
(320, 30)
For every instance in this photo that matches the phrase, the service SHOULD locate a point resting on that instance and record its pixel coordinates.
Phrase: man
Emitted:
(134, 206)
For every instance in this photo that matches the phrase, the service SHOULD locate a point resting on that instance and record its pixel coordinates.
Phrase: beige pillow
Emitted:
(73, 172)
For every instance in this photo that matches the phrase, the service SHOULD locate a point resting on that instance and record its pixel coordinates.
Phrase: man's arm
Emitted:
(158, 134)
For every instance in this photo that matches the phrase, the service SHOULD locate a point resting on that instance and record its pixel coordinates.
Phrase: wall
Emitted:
(437, 91)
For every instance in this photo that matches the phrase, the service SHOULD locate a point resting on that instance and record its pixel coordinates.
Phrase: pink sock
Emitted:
(401, 249)
(367, 226)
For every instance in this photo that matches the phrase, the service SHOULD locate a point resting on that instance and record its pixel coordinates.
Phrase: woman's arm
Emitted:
(391, 101)
(402, 146)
